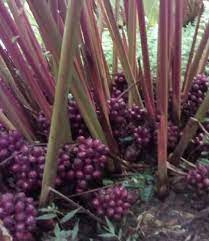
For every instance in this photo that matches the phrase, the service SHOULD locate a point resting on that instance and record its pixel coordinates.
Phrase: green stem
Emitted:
(59, 136)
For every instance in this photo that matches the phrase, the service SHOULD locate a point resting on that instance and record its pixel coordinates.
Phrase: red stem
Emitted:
(162, 97)
(176, 80)
(147, 80)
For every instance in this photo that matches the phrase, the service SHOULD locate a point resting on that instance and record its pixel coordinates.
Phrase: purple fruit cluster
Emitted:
(199, 177)
(142, 136)
(119, 85)
(200, 138)
(118, 116)
(137, 115)
(42, 124)
(28, 166)
(2, 128)
(173, 135)
(10, 143)
(18, 214)
(78, 125)
(82, 164)
(196, 95)
(129, 127)
(113, 202)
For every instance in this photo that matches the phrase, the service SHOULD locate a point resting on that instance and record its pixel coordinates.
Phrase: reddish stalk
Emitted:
(162, 96)
(14, 111)
(96, 65)
(204, 60)
(9, 74)
(115, 57)
(176, 77)
(131, 26)
(171, 50)
(147, 80)
(7, 36)
(191, 54)
(115, 34)
(49, 31)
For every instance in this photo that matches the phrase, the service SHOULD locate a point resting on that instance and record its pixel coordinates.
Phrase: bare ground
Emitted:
(181, 216)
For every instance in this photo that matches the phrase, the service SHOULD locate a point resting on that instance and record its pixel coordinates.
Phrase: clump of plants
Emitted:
(68, 121)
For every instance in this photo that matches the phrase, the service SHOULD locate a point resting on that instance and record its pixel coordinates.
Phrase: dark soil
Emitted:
(180, 217)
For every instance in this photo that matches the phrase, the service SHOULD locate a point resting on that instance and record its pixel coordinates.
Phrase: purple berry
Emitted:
(27, 168)
(196, 95)
(19, 223)
(112, 202)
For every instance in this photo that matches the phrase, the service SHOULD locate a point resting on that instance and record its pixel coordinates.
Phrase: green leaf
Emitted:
(65, 234)
(204, 153)
(61, 235)
(110, 226)
(147, 193)
(47, 216)
(129, 239)
(126, 139)
(51, 208)
(75, 231)
(203, 161)
(57, 230)
(69, 216)
(120, 234)
(107, 235)
(106, 182)
(14, 39)
(205, 120)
